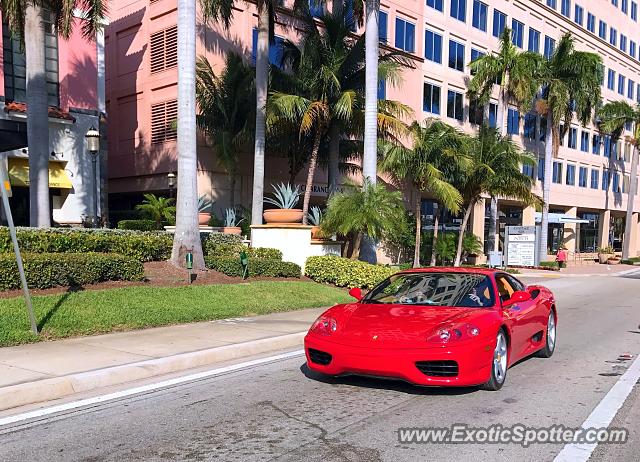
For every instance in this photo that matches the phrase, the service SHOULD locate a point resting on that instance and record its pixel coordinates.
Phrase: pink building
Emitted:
(590, 176)
(74, 99)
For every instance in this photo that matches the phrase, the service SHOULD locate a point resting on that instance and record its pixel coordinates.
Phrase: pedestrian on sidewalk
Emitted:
(561, 257)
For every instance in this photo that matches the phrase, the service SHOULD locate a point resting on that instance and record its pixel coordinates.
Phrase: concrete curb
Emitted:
(60, 387)
(558, 275)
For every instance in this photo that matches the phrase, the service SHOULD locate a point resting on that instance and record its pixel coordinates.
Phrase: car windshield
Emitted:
(434, 289)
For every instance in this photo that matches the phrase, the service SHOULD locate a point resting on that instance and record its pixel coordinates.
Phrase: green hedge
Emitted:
(138, 225)
(257, 267)
(44, 270)
(145, 246)
(220, 245)
(345, 272)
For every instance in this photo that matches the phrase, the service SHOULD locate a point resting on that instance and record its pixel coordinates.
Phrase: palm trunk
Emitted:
(463, 228)
(416, 254)
(262, 79)
(492, 242)
(37, 118)
(334, 158)
(628, 227)
(313, 161)
(436, 224)
(546, 189)
(187, 235)
(357, 241)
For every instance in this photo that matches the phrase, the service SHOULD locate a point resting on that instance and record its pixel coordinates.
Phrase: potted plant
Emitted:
(604, 254)
(614, 260)
(204, 210)
(315, 217)
(285, 198)
(231, 222)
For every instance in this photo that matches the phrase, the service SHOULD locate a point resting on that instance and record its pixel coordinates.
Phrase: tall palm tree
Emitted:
(25, 18)
(494, 170)
(226, 103)
(570, 82)
(434, 148)
(515, 71)
(187, 234)
(614, 116)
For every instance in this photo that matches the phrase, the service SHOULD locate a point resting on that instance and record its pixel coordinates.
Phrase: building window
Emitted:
(476, 113)
(627, 152)
(557, 173)
(595, 144)
(164, 49)
(605, 180)
(530, 126)
(455, 105)
(606, 141)
(405, 35)
(578, 15)
(459, 10)
(632, 48)
(435, 4)
(625, 6)
(552, 3)
(611, 79)
(623, 42)
(163, 117)
(14, 64)
(475, 54)
(631, 86)
(479, 20)
(625, 184)
(571, 175)
(565, 8)
(541, 169)
(616, 182)
(534, 40)
(382, 89)
(275, 50)
(456, 55)
(549, 46)
(517, 33)
(493, 115)
(595, 179)
(638, 93)
(543, 129)
(513, 121)
(582, 177)
(613, 36)
(433, 46)
(431, 99)
(621, 83)
(634, 11)
(584, 141)
(614, 3)
(383, 19)
(316, 9)
(602, 30)
(499, 22)
(527, 169)
(573, 138)
(591, 23)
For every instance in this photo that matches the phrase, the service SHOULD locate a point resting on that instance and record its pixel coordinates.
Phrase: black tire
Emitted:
(549, 343)
(498, 378)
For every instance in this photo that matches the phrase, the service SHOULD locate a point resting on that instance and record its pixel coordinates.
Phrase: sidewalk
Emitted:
(581, 271)
(51, 370)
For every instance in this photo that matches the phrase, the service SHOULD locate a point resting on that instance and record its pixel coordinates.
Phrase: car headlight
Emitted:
(324, 326)
(453, 333)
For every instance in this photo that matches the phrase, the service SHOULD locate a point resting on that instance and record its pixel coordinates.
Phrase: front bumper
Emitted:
(474, 361)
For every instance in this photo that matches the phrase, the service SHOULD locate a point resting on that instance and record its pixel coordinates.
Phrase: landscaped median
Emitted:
(99, 311)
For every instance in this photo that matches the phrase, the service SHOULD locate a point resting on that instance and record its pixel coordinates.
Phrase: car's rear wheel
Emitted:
(550, 337)
(499, 363)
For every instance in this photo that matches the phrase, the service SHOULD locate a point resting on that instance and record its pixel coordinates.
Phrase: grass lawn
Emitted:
(99, 311)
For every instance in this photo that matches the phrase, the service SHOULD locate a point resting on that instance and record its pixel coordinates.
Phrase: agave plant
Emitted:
(285, 196)
(204, 205)
(231, 219)
(315, 215)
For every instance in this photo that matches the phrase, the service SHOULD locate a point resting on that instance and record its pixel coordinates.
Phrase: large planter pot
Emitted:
(315, 232)
(614, 261)
(203, 218)
(283, 215)
(603, 258)
(232, 230)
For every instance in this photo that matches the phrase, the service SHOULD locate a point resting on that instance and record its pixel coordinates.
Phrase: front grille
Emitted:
(438, 368)
(319, 357)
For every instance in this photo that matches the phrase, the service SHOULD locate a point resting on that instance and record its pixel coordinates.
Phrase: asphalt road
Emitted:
(280, 411)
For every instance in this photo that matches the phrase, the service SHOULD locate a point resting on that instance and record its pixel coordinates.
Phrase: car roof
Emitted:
(452, 269)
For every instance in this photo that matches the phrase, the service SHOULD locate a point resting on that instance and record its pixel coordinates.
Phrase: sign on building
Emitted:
(520, 246)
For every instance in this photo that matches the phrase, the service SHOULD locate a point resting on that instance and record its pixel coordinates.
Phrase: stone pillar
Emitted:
(477, 220)
(603, 228)
(529, 216)
(570, 238)
(635, 236)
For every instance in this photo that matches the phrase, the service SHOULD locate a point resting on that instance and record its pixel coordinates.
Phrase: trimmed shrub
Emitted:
(257, 267)
(144, 246)
(138, 225)
(44, 270)
(220, 245)
(344, 272)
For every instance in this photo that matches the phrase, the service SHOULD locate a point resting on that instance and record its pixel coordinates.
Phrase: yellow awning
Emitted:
(19, 174)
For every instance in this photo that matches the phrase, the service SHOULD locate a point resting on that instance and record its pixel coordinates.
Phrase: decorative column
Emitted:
(603, 228)
(570, 229)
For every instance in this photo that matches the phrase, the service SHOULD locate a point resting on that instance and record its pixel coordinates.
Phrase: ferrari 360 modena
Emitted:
(436, 327)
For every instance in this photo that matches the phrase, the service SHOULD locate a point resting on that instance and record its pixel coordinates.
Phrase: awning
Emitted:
(19, 173)
(560, 218)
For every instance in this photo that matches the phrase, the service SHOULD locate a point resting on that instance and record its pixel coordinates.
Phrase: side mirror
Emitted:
(356, 293)
(519, 296)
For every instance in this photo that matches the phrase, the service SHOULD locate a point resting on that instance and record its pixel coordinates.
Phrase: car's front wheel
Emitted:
(550, 337)
(498, 363)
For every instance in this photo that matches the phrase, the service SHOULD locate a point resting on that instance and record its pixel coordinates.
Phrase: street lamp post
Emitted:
(171, 180)
(93, 146)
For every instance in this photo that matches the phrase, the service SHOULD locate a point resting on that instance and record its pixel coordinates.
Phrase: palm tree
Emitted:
(434, 148)
(370, 210)
(25, 18)
(570, 82)
(614, 116)
(187, 234)
(158, 209)
(494, 170)
(515, 72)
(226, 104)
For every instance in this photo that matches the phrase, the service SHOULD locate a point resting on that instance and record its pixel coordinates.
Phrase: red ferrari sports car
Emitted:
(436, 326)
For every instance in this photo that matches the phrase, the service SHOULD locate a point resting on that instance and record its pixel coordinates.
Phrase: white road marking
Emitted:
(602, 415)
(144, 388)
